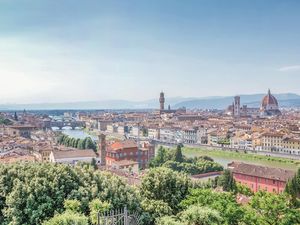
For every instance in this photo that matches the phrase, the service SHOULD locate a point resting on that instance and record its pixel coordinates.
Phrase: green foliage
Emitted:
(68, 218)
(4, 121)
(90, 144)
(86, 143)
(224, 203)
(273, 209)
(264, 208)
(168, 220)
(165, 185)
(31, 193)
(227, 181)
(178, 155)
(73, 206)
(196, 215)
(97, 206)
(161, 157)
(176, 161)
(155, 209)
(293, 189)
(244, 190)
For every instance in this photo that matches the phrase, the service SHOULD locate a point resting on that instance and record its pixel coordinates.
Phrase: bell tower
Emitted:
(162, 101)
(102, 148)
(237, 106)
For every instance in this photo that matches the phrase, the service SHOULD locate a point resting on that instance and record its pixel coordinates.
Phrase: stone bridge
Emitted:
(62, 124)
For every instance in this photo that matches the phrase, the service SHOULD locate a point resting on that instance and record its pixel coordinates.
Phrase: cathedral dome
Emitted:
(269, 102)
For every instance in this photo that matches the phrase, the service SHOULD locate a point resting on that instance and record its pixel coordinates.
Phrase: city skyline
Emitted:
(72, 52)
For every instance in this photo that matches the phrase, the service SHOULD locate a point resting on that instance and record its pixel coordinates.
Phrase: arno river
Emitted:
(223, 160)
(78, 134)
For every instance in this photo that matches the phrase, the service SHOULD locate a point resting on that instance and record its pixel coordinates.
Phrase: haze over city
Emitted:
(149, 112)
(66, 51)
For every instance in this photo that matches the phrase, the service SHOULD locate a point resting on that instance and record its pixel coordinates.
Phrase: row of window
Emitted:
(259, 180)
(259, 187)
(124, 154)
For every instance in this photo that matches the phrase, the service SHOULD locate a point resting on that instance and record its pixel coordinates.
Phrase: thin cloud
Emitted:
(290, 68)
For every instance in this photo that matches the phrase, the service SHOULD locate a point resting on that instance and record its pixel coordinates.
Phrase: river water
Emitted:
(221, 160)
(224, 160)
(78, 133)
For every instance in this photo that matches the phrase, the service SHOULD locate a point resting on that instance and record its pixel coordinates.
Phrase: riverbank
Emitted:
(224, 157)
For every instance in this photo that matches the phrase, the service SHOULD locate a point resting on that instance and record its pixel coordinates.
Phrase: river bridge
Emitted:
(63, 123)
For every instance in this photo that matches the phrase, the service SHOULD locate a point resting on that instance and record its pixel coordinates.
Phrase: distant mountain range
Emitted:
(214, 102)
(284, 100)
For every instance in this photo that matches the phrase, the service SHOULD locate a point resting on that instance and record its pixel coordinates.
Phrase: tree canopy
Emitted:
(32, 193)
(86, 143)
(175, 160)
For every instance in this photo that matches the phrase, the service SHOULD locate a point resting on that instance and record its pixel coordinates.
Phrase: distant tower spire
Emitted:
(269, 92)
(162, 101)
(237, 106)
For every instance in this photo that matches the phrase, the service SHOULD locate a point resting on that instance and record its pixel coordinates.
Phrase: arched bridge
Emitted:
(62, 124)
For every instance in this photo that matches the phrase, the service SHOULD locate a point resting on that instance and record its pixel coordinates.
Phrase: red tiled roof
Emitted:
(263, 171)
(119, 145)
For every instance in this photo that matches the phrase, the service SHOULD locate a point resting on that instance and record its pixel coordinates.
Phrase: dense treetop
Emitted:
(175, 160)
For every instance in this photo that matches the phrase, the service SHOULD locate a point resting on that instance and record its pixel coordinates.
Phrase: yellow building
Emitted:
(271, 141)
(291, 146)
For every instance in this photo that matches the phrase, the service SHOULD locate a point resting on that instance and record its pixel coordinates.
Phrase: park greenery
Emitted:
(52, 194)
(5, 121)
(33, 193)
(293, 189)
(175, 160)
(86, 143)
(237, 155)
(57, 194)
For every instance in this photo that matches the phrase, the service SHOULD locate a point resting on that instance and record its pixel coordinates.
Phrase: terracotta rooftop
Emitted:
(262, 171)
(125, 163)
(119, 145)
(74, 154)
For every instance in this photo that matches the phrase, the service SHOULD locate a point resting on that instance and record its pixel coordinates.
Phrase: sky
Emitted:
(68, 50)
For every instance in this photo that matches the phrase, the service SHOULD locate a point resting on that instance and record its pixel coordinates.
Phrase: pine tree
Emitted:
(178, 154)
(227, 181)
(293, 188)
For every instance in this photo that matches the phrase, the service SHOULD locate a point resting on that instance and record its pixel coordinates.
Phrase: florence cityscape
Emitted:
(142, 112)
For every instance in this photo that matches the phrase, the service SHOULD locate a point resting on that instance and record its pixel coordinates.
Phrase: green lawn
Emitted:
(245, 157)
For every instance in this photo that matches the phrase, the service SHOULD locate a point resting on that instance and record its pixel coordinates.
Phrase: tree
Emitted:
(97, 206)
(68, 218)
(90, 144)
(165, 185)
(224, 203)
(31, 193)
(73, 206)
(227, 181)
(244, 190)
(196, 215)
(178, 155)
(155, 209)
(81, 144)
(168, 220)
(273, 209)
(160, 158)
(293, 189)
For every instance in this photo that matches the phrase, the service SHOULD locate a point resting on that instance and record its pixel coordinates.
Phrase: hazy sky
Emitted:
(69, 50)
